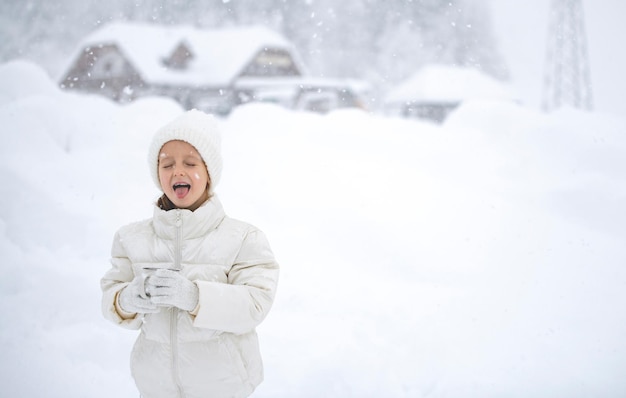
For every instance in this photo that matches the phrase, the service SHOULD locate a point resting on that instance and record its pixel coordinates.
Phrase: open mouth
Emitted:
(181, 189)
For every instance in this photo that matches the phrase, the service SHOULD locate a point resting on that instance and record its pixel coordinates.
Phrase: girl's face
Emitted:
(183, 175)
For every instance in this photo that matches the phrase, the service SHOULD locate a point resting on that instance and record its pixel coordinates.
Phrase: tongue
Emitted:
(181, 192)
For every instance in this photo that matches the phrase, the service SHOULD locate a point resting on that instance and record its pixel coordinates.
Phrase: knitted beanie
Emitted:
(196, 128)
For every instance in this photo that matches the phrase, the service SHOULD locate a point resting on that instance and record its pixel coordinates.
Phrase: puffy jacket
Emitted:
(214, 353)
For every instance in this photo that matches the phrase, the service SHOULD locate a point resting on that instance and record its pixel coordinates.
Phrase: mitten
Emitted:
(170, 289)
(132, 299)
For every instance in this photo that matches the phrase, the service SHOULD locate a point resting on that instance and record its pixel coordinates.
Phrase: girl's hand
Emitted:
(131, 299)
(170, 289)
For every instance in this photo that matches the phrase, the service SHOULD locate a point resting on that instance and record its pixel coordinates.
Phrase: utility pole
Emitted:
(567, 78)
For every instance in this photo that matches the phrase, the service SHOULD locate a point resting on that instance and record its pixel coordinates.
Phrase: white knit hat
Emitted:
(196, 128)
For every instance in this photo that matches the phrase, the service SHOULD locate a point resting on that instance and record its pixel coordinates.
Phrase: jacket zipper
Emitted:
(174, 310)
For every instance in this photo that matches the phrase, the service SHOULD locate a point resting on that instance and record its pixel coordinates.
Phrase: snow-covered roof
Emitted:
(448, 84)
(218, 54)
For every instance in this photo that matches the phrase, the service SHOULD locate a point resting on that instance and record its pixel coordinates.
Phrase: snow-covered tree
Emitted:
(380, 41)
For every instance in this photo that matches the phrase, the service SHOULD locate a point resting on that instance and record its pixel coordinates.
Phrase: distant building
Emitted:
(198, 68)
(435, 90)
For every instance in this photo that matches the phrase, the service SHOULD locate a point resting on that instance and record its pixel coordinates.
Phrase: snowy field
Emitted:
(481, 258)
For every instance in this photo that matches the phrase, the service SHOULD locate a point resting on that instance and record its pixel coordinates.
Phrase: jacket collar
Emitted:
(194, 224)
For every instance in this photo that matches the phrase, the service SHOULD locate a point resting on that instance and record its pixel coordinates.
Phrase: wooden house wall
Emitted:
(104, 70)
(271, 62)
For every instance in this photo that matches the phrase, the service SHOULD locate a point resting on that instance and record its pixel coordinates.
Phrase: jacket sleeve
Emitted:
(241, 304)
(114, 280)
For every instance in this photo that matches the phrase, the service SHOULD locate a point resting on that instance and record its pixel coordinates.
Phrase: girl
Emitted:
(196, 282)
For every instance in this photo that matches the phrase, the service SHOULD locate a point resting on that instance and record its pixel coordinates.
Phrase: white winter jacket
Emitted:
(214, 353)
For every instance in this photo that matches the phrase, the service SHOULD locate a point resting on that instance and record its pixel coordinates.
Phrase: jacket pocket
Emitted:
(236, 358)
(150, 367)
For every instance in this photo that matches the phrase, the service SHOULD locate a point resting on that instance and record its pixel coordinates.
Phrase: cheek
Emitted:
(199, 177)
(163, 177)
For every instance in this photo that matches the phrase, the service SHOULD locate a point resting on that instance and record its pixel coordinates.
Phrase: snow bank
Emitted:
(483, 257)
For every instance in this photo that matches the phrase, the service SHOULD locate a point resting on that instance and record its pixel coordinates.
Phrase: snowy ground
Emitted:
(481, 258)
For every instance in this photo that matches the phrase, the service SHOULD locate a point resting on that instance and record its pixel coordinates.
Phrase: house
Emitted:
(198, 68)
(436, 90)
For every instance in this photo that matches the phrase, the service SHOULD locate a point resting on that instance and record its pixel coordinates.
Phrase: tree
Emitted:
(382, 42)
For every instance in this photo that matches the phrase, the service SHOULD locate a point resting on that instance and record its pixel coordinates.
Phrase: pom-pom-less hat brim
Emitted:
(196, 128)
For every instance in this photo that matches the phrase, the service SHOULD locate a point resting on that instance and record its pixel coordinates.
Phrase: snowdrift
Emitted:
(482, 257)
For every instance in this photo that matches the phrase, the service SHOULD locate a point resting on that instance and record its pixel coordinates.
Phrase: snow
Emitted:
(481, 257)
(448, 84)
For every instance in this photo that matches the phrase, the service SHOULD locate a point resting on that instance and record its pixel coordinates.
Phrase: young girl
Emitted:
(196, 282)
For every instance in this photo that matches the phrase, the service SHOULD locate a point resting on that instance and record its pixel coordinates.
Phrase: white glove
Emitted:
(132, 298)
(170, 289)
